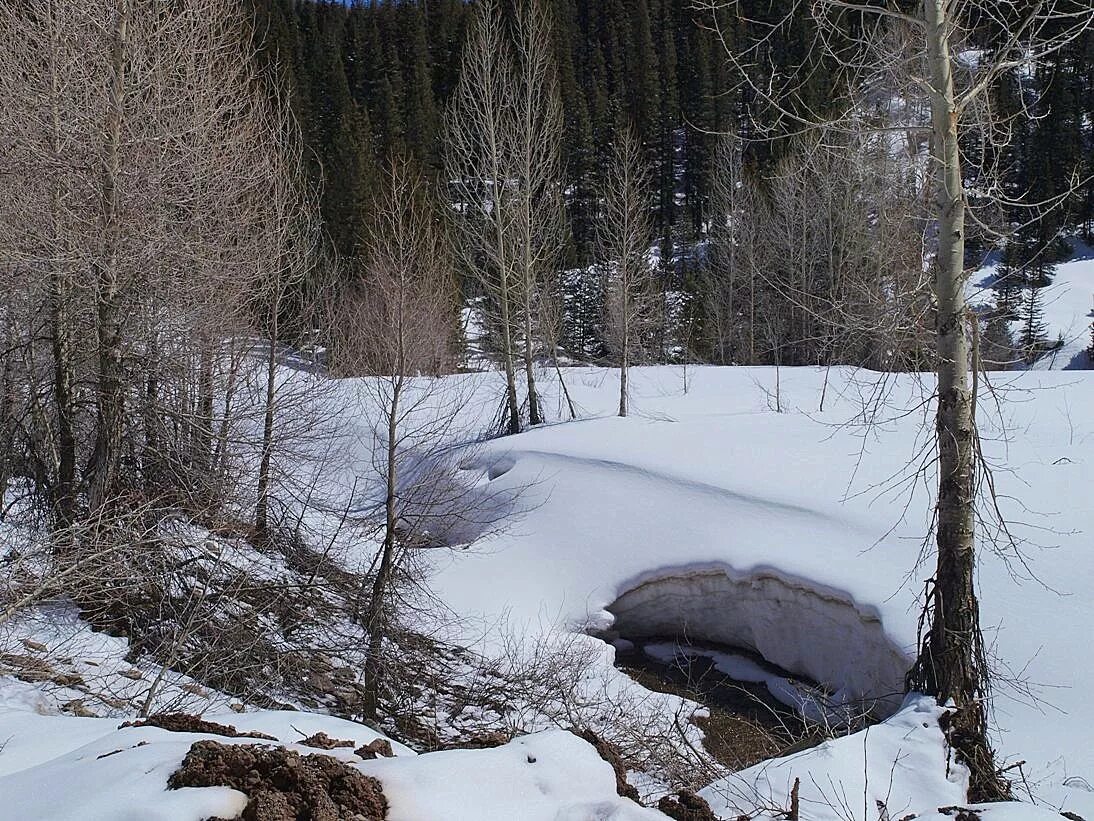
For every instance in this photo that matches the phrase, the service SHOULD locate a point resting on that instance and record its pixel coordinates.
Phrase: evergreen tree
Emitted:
(420, 116)
(1033, 339)
(1008, 289)
(372, 76)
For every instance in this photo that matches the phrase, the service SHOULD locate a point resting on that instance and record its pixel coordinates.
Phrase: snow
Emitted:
(108, 684)
(995, 812)
(715, 482)
(111, 774)
(900, 764)
(107, 777)
(796, 535)
(764, 613)
(1066, 305)
(548, 776)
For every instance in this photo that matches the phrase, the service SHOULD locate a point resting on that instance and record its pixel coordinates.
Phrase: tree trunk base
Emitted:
(966, 731)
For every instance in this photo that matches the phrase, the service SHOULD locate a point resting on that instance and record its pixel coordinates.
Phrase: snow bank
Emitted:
(73, 769)
(715, 479)
(552, 776)
(70, 769)
(800, 628)
(901, 765)
(995, 812)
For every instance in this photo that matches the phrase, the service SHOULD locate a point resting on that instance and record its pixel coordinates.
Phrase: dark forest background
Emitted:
(371, 78)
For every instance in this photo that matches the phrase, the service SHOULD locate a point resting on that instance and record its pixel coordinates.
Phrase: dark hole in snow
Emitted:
(499, 468)
(743, 723)
(779, 665)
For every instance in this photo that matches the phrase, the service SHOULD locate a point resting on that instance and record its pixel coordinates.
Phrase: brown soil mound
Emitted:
(686, 806)
(380, 748)
(283, 785)
(610, 753)
(960, 813)
(481, 742)
(322, 741)
(186, 723)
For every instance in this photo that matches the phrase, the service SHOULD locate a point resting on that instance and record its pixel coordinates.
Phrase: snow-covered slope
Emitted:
(1066, 307)
(544, 777)
(797, 534)
(55, 768)
(714, 481)
(81, 769)
(899, 765)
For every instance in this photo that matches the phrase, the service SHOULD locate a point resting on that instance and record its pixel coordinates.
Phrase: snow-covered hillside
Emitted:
(1067, 306)
(796, 534)
(716, 482)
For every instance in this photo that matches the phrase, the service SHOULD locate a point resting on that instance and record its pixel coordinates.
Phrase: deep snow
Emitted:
(715, 481)
(1067, 307)
(796, 534)
(899, 765)
(83, 769)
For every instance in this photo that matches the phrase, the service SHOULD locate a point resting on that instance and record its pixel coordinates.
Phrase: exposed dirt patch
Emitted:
(322, 741)
(960, 813)
(610, 753)
(486, 741)
(686, 806)
(380, 748)
(26, 668)
(283, 785)
(186, 723)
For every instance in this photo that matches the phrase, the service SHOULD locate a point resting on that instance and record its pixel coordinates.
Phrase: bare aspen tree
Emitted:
(110, 396)
(834, 240)
(916, 49)
(395, 326)
(538, 222)
(151, 213)
(722, 269)
(151, 269)
(290, 239)
(737, 260)
(60, 287)
(624, 237)
(503, 162)
(39, 159)
(478, 130)
(550, 312)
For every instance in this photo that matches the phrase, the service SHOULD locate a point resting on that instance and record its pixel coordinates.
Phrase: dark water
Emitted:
(746, 724)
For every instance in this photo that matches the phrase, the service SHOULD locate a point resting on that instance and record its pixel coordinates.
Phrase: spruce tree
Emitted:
(1033, 339)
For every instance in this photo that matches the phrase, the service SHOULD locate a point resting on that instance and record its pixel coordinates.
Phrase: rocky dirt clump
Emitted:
(282, 785)
(186, 723)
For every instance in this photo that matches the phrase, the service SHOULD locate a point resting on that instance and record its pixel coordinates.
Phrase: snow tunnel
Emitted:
(805, 630)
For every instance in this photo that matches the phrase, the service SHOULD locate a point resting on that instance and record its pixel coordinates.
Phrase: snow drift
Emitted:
(802, 629)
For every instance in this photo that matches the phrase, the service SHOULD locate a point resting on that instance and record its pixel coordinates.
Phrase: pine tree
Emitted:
(1008, 292)
(420, 115)
(1034, 335)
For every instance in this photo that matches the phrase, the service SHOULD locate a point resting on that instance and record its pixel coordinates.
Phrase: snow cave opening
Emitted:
(759, 646)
